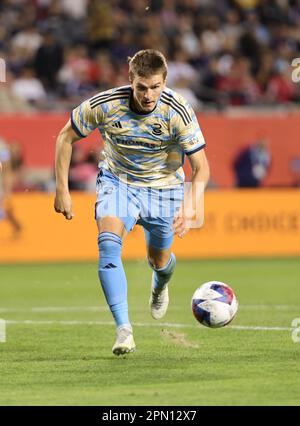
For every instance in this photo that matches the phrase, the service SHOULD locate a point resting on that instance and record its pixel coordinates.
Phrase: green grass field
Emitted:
(63, 355)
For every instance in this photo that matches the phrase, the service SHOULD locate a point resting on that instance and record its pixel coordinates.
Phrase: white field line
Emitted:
(140, 324)
(41, 309)
(56, 309)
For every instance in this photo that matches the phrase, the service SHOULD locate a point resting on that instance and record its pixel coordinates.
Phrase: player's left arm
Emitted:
(193, 197)
(7, 182)
(189, 136)
(7, 189)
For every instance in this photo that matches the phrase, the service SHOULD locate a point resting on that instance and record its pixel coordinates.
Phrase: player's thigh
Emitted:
(113, 211)
(159, 240)
(157, 222)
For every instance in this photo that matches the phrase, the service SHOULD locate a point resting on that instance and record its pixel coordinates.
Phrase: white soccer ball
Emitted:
(214, 304)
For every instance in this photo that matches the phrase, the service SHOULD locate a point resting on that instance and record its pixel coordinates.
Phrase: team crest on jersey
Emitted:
(194, 141)
(156, 129)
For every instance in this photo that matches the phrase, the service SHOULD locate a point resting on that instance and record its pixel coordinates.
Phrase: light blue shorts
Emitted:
(152, 208)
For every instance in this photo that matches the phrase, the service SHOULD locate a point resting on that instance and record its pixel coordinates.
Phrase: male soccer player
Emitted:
(6, 183)
(147, 129)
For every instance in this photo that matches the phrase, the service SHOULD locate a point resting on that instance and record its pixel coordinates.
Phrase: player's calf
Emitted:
(159, 297)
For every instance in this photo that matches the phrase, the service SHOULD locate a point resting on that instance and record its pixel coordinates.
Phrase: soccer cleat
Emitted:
(159, 302)
(124, 343)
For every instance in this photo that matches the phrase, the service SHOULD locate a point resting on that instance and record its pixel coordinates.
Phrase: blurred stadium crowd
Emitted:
(221, 52)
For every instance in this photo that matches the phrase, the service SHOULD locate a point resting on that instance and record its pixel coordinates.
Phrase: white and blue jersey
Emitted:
(148, 149)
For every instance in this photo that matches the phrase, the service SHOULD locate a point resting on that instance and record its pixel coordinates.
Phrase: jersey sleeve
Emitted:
(85, 119)
(187, 129)
(4, 153)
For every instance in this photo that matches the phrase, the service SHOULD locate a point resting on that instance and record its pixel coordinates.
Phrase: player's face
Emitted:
(146, 91)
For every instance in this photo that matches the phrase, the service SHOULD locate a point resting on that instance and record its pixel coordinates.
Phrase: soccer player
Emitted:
(6, 183)
(147, 129)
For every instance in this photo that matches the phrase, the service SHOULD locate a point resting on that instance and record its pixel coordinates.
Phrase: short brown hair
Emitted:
(146, 63)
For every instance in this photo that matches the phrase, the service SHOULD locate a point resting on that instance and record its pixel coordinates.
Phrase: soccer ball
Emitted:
(214, 304)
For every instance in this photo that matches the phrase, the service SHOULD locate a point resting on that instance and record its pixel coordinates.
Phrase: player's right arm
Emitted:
(84, 119)
(63, 201)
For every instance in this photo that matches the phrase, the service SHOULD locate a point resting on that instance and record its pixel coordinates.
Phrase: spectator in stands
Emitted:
(27, 42)
(75, 9)
(48, 60)
(124, 47)
(252, 165)
(106, 72)
(239, 84)
(294, 167)
(8, 101)
(211, 33)
(100, 24)
(281, 89)
(28, 88)
(179, 69)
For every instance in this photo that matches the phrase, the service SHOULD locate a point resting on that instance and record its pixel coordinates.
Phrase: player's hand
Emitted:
(180, 225)
(63, 204)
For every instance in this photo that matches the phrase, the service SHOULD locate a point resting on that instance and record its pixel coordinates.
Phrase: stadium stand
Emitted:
(231, 58)
(234, 52)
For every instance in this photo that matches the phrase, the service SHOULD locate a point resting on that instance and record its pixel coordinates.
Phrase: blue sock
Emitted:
(162, 276)
(112, 276)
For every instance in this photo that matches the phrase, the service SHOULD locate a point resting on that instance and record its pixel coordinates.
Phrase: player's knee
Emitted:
(109, 224)
(164, 264)
(158, 261)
